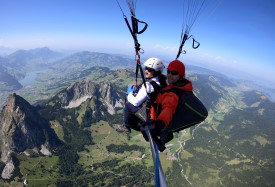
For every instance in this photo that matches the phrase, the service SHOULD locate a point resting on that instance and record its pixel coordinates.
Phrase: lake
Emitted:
(30, 77)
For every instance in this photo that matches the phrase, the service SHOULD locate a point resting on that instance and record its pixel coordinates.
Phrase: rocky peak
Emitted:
(21, 129)
(79, 92)
(73, 95)
(15, 103)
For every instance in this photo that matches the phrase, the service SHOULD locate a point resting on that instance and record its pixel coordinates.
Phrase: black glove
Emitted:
(161, 146)
(150, 124)
(155, 127)
(166, 136)
(144, 134)
(158, 125)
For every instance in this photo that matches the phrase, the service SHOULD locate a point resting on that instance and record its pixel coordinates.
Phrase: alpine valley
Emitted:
(61, 128)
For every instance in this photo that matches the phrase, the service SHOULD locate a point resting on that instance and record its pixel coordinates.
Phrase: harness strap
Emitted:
(184, 38)
(195, 44)
(136, 21)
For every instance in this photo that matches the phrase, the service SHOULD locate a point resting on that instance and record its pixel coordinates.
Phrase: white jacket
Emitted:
(142, 95)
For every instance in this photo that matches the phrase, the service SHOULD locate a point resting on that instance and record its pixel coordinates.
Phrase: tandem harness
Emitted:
(190, 111)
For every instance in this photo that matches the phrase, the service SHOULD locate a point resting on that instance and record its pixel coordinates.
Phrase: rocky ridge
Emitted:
(22, 129)
(79, 92)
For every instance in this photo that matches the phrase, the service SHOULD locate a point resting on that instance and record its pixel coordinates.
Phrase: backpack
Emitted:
(190, 111)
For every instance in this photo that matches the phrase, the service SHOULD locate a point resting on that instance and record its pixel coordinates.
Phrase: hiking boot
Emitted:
(124, 128)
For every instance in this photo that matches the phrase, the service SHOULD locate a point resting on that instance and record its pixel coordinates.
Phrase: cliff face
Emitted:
(21, 129)
(79, 92)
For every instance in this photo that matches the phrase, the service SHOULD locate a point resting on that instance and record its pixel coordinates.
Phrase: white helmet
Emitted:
(154, 63)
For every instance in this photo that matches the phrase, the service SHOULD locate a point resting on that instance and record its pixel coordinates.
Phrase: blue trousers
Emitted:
(130, 120)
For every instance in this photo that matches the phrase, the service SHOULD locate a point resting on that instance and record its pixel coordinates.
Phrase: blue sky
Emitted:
(237, 36)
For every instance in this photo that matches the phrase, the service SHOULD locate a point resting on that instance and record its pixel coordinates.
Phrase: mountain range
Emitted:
(69, 132)
(32, 58)
(18, 65)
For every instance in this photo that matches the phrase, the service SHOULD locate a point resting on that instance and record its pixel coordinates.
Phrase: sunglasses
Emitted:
(172, 72)
(149, 69)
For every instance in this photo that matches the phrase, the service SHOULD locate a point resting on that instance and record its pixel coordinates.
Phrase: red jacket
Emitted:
(168, 101)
